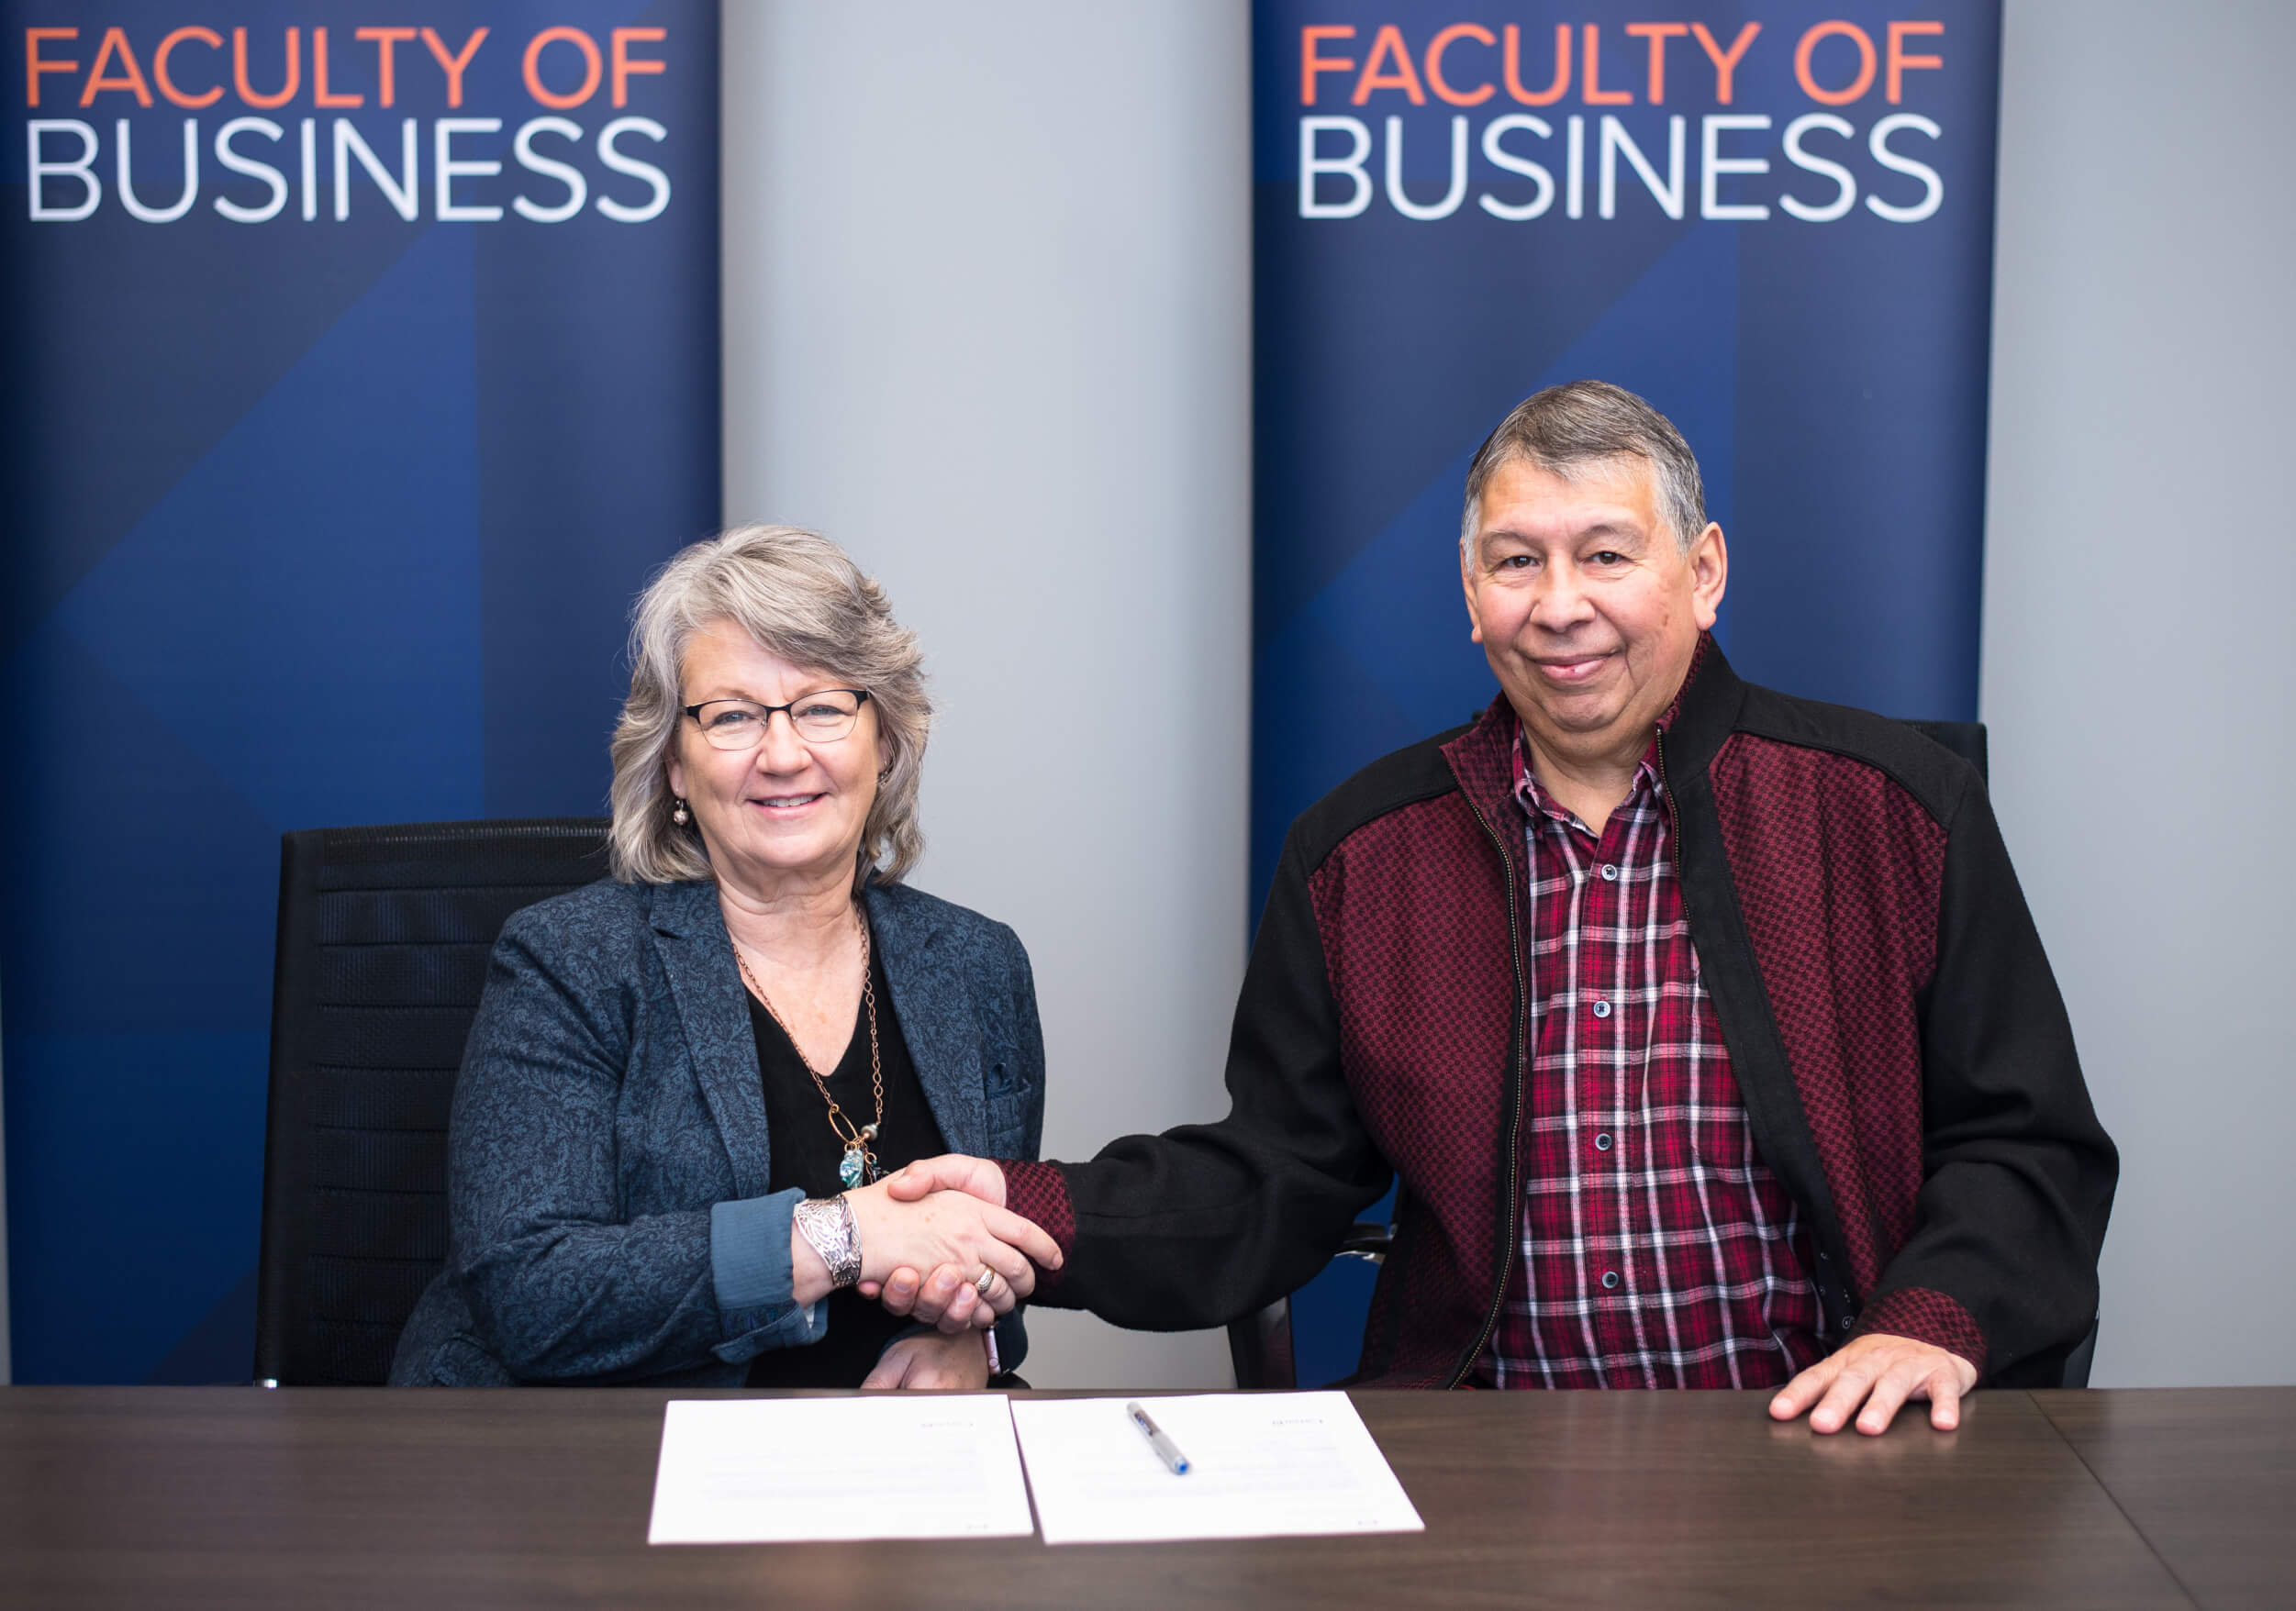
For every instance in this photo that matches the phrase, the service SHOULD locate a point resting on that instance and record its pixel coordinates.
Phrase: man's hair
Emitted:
(1566, 430)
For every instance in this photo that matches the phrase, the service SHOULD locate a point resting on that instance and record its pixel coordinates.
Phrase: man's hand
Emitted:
(952, 1171)
(945, 1231)
(1882, 1372)
(931, 1361)
(945, 1298)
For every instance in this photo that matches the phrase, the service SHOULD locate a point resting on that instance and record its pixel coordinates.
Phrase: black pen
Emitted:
(1166, 1451)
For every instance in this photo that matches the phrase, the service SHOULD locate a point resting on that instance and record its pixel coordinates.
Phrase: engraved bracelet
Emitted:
(827, 1225)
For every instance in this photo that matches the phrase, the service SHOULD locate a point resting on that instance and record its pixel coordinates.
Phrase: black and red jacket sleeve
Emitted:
(2017, 1173)
(1205, 1223)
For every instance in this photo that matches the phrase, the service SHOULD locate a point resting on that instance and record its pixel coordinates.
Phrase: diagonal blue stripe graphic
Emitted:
(1394, 615)
(332, 668)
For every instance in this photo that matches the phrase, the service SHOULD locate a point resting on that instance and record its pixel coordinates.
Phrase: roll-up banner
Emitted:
(357, 376)
(1774, 220)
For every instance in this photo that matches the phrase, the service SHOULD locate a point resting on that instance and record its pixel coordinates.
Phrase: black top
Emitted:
(806, 1153)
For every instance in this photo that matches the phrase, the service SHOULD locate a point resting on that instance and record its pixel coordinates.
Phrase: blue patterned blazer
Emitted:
(608, 1158)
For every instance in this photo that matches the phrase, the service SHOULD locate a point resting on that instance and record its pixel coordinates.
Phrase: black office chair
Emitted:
(1260, 1344)
(384, 935)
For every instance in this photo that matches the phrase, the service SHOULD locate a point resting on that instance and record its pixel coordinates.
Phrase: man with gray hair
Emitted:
(1704, 1029)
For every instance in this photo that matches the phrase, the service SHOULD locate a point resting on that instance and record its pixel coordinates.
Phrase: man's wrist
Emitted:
(1924, 1314)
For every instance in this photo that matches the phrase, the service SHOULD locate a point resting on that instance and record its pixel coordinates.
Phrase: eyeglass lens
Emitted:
(737, 724)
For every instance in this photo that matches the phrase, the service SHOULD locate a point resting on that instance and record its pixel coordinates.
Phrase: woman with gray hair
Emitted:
(686, 1083)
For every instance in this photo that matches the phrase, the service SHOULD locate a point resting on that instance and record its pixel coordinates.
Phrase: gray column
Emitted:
(2140, 665)
(987, 305)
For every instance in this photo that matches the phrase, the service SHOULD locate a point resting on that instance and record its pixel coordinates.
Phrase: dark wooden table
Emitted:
(233, 1498)
(2207, 1476)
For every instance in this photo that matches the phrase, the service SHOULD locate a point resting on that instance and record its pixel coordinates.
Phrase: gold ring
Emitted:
(988, 1277)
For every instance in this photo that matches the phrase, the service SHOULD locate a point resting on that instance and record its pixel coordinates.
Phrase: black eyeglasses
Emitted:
(817, 718)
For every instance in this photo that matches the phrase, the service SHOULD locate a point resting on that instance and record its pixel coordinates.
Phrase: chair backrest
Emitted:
(384, 936)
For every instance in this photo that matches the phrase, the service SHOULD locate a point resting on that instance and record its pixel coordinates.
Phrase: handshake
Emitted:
(939, 1246)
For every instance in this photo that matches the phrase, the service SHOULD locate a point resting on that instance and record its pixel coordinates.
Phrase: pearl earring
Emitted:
(679, 814)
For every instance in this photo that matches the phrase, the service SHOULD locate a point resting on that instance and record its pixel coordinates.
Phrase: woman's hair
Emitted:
(798, 596)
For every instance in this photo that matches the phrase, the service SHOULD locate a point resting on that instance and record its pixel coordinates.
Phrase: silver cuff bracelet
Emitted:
(827, 1225)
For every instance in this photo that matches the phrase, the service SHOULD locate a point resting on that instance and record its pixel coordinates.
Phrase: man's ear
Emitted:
(1710, 576)
(1467, 585)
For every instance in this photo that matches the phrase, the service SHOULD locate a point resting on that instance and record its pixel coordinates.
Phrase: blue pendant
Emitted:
(850, 1171)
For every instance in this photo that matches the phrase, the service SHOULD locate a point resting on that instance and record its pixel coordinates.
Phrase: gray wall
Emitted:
(1005, 361)
(987, 272)
(2140, 668)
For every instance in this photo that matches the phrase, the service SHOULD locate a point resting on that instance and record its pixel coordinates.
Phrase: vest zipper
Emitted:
(1830, 1296)
(1674, 821)
(1513, 1193)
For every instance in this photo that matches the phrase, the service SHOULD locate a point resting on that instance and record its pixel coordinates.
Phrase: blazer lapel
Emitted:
(690, 935)
(935, 1012)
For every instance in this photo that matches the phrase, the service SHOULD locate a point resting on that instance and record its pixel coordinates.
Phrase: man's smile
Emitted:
(1572, 669)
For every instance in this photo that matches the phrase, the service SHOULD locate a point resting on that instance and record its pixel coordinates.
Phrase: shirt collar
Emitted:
(1534, 799)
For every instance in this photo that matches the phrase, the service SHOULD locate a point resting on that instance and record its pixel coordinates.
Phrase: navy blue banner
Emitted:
(358, 375)
(1775, 220)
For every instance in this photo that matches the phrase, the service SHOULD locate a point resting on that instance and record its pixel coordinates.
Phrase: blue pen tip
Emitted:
(1180, 1469)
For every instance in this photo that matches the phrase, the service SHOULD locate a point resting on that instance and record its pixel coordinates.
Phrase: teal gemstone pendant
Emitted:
(852, 1169)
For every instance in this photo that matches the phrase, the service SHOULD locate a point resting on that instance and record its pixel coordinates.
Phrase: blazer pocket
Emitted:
(1010, 1101)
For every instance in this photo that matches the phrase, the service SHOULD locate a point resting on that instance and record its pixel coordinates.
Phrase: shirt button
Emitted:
(1602, 1008)
(1609, 872)
(1610, 1278)
(1602, 1142)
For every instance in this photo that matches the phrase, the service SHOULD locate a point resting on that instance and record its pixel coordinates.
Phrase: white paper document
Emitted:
(895, 1465)
(1260, 1465)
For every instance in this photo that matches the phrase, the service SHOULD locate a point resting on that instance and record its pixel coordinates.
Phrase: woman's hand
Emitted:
(920, 1362)
(956, 1230)
(946, 1297)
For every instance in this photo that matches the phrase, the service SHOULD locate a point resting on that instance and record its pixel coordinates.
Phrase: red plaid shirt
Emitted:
(1657, 1251)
